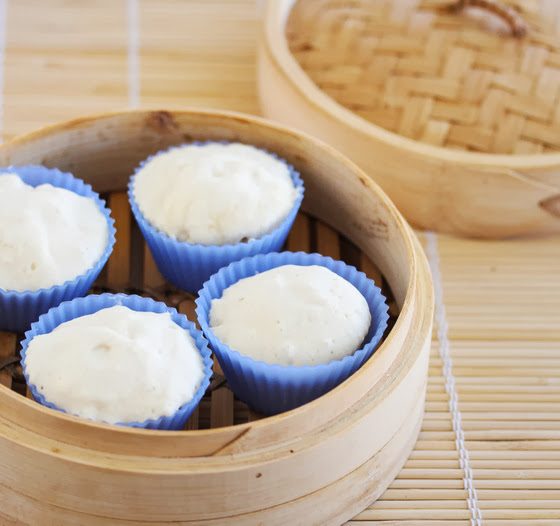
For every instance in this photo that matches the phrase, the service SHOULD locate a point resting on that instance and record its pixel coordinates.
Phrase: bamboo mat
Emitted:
(489, 450)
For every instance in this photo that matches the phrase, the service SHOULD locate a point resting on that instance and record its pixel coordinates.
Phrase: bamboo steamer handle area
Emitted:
(466, 193)
(510, 16)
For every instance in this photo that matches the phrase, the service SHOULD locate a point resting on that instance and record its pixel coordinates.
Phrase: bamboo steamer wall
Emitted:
(325, 461)
(507, 192)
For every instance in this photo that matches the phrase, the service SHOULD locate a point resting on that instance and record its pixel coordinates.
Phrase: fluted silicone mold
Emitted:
(19, 309)
(273, 389)
(82, 306)
(188, 265)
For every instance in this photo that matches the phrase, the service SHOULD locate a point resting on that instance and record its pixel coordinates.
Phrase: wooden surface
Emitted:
(502, 299)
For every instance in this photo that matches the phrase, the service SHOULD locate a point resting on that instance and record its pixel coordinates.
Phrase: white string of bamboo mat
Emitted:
(443, 340)
(3, 25)
(133, 52)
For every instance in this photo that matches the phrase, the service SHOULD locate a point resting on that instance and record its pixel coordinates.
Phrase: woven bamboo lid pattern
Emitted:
(443, 72)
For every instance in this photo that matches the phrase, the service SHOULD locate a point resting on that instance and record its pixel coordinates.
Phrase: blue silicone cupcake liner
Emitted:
(188, 265)
(82, 306)
(273, 389)
(19, 309)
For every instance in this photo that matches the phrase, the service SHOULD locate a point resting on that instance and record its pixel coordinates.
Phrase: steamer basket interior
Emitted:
(279, 459)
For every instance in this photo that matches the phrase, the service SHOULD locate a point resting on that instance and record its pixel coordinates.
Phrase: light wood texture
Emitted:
(7, 349)
(64, 59)
(502, 298)
(371, 420)
(118, 267)
(474, 194)
(428, 73)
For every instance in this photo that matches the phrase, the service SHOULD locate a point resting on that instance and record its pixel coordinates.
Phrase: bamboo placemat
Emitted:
(489, 451)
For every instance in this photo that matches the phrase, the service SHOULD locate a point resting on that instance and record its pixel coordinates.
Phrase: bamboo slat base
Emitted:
(502, 299)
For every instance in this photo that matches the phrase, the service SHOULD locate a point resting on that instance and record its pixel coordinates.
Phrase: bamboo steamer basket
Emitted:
(319, 464)
(453, 112)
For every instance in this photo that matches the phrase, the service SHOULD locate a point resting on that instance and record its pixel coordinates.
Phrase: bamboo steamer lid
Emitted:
(475, 75)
